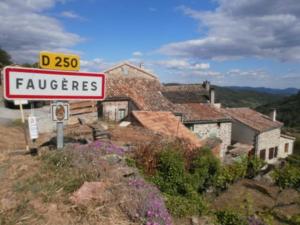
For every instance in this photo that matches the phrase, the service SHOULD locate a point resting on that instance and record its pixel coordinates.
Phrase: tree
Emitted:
(5, 58)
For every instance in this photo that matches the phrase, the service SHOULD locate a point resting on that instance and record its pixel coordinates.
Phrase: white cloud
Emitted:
(243, 28)
(95, 65)
(137, 54)
(25, 30)
(70, 15)
(181, 64)
(248, 74)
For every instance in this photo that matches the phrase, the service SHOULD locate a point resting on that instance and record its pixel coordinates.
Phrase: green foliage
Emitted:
(254, 166)
(181, 206)
(5, 58)
(228, 217)
(287, 177)
(180, 187)
(243, 98)
(29, 65)
(295, 220)
(245, 167)
(204, 170)
(231, 173)
(130, 162)
(171, 175)
(288, 110)
(294, 160)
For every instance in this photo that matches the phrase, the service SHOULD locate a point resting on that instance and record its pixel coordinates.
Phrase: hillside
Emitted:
(288, 110)
(243, 98)
(286, 91)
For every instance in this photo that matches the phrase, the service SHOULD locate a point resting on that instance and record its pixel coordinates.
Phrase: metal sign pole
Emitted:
(60, 135)
(24, 126)
(60, 114)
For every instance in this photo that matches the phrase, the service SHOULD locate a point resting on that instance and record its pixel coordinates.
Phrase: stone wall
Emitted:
(242, 133)
(219, 130)
(283, 141)
(267, 140)
(110, 110)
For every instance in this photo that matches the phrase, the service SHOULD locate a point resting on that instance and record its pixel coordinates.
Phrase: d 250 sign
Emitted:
(58, 61)
(37, 84)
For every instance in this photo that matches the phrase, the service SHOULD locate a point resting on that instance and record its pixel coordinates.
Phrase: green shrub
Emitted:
(227, 217)
(288, 176)
(204, 170)
(295, 220)
(294, 160)
(180, 206)
(254, 166)
(171, 176)
(231, 173)
(130, 162)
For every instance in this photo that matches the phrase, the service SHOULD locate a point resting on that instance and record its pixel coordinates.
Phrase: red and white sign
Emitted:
(37, 84)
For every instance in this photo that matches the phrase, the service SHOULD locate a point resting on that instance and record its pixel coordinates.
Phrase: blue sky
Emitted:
(229, 42)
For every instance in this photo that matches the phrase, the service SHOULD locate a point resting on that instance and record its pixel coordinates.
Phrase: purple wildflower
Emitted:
(152, 207)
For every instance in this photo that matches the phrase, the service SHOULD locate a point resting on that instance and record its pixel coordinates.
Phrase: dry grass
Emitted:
(37, 190)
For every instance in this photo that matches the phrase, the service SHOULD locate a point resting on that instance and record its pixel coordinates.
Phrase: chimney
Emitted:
(206, 85)
(273, 115)
(212, 96)
(142, 66)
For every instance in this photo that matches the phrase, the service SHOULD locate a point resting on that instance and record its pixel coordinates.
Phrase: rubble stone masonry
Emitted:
(219, 130)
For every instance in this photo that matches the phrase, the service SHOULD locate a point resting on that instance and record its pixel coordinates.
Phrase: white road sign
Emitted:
(37, 84)
(33, 127)
(20, 102)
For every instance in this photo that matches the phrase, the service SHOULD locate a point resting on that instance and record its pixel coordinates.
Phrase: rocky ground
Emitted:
(36, 190)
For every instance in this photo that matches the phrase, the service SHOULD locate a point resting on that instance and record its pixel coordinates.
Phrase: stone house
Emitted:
(126, 94)
(132, 88)
(189, 103)
(207, 122)
(262, 132)
(126, 69)
(200, 113)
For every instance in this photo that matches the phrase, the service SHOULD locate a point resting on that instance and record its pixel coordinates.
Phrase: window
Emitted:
(271, 153)
(262, 154)
(190, 127)
(121, 114)
(286, 147)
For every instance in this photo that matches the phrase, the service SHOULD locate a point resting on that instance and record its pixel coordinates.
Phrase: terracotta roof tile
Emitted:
(145, 93)
(186, 93)
(202, 113)
(166, 123)
(252, 119)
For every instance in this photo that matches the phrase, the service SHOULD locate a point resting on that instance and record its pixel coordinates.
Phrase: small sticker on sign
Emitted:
(33, 127)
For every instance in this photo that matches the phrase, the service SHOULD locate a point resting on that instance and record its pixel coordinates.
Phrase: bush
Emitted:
(288, 176)
(295, 220)
(204, 170)
(171, 176)
(181, 206)
(227, 217)
(254, 166)
(231, 173)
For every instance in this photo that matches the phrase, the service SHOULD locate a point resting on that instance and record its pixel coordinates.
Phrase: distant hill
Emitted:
(288, 110)
(286, 91)
(232, 97)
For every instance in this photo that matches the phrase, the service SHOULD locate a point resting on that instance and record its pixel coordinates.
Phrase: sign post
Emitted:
(60, 112)
(40, 84)
(20, 103)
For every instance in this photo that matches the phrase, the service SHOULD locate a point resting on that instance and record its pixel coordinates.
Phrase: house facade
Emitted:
(262, 132)
(208, 123)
